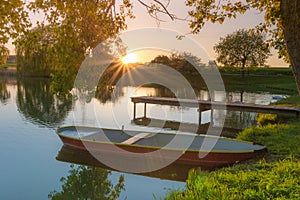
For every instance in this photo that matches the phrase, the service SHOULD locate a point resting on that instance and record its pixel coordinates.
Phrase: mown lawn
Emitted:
(256, 83)
(273, 80)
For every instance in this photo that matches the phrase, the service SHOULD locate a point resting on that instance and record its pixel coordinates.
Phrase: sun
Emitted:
(129, 58)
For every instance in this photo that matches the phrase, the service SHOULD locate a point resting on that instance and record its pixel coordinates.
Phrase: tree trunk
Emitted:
(290, 10)
(243, 69)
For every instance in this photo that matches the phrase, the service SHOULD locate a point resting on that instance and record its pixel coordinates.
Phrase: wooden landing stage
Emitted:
(211, 105)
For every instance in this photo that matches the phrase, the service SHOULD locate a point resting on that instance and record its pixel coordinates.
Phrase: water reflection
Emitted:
(109, 94)
(240, 120)
(230, 132)
(4, 92)
(85, 182)
(38, 104)
(175, 171)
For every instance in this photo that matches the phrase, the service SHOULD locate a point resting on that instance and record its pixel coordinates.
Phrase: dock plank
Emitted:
(205, 105)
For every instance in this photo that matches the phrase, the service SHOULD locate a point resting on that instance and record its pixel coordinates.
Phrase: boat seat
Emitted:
(136, 138)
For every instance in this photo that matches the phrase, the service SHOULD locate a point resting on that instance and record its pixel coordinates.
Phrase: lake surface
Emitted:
(30, 150)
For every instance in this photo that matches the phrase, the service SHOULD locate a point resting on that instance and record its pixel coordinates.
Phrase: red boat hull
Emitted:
(196, 158)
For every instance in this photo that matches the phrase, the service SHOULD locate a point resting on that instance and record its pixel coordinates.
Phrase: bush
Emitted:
(265, 119)
(280, 139)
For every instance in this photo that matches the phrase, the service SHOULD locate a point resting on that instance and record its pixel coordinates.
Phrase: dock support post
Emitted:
(134, 111)
(145, 110)
(200, 113)
(212, 117)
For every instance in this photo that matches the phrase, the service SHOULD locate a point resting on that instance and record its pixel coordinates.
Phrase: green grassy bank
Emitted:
(273, 176)
(5, 66)
(260, 79)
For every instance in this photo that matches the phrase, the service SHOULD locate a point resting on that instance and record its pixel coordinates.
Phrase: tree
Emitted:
(240, 49)
(4, 53)
(161, 59)
(14, 19)
(183, 62)
(58, 45)
(36, 53)
(282, 22)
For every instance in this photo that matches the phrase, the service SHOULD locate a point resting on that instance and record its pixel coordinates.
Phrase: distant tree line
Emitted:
(185, 63)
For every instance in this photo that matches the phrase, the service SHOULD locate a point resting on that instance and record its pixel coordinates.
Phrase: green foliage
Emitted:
(281, 23)
(5, 66)
(279, 180)
(14, 19)
(88, 183)
(186, 63)
(240, 49)
(275, 178)
(35, 52)
(280, 139)
(212, 11)
(262, 80)
(73, 30)
(4, 53)
(266, 119)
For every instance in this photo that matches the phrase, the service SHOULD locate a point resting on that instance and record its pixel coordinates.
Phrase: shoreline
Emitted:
(10, 71)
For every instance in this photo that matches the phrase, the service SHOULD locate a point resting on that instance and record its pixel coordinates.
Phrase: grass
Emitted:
(291, 101)
(254, 83)
(258, 71)
(273, 80)
(278, 180)
(276, 176)
(5, 66)
(282, 140)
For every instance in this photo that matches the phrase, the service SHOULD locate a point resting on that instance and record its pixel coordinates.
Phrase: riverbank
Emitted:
(8, 70)
(260, 79)
(257, 80)
(275, 175)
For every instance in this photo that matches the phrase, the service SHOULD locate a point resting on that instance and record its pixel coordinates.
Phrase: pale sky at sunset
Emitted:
(208, 36)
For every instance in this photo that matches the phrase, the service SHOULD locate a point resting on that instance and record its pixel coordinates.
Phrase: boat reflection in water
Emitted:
(175, 171)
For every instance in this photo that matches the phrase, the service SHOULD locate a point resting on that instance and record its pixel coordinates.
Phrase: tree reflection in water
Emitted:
(38, 104)
(85, 182)
(4, 93)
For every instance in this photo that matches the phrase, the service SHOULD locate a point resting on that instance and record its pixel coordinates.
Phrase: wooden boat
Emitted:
(199, 150)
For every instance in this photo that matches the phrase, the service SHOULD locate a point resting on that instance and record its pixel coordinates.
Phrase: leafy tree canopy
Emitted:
(217, 11)
(281, 21)
(14, 19)
(241, 49)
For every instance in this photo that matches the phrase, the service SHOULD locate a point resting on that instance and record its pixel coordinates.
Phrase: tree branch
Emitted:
(163, 11)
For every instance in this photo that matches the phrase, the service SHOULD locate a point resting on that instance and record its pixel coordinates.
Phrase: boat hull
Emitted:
(196, 158)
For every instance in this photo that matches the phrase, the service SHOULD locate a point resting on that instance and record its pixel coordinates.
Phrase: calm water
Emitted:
(29, 148)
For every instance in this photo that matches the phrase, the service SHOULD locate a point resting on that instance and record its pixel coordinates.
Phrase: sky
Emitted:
(209, 35)
(207, 38)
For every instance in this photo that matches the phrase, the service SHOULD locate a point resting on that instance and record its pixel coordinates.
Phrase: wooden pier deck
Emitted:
(210, 105)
